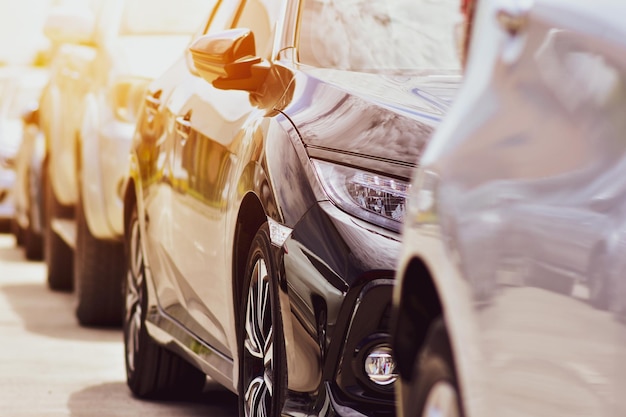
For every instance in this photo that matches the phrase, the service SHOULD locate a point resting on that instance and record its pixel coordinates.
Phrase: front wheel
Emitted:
(98, 273)
(18, 232)
(262, 372)
(58, 255)
(436, 391)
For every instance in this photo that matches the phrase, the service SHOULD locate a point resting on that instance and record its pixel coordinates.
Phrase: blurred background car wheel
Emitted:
(18, 232)
(437, 392)
(151, 370)
(98, 273)
(33, 242)
(598, 280)
(262, 373)
(58, 256)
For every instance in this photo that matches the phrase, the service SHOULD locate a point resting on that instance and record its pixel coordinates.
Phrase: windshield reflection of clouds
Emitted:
(369, 35)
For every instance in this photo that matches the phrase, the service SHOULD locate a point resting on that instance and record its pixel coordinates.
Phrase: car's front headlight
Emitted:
(372, 197)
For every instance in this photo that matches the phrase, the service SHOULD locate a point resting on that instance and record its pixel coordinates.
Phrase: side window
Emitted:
(260, 16)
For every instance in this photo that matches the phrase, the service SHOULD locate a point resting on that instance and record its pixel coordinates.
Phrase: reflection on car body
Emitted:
(268, 183)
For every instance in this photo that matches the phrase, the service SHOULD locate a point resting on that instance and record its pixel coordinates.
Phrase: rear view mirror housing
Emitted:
(228, 60)
(30, 116)
(70, 25)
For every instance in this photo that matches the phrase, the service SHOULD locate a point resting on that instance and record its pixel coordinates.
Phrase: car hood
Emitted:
(377, 121)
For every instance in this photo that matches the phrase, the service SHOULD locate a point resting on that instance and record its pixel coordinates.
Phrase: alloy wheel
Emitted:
(258, 347)
(133, 319)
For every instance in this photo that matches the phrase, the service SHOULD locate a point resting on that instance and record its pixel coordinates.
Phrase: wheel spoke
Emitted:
(137, 254)
(257, 399)
(134, 297)
(259, 344)
(268, 361)
(134, 325)
(258, 311)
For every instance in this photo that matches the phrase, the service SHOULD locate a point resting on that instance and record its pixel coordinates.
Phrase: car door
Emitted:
(209, 126)
(156, 138)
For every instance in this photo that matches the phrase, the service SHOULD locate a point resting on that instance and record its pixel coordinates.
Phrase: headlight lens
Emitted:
(372, 197)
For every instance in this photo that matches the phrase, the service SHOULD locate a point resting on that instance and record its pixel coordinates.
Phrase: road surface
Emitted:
(52, 367)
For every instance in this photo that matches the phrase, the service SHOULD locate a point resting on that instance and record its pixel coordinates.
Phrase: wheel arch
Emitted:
(249, 219)
(130, 199)
(419, 307)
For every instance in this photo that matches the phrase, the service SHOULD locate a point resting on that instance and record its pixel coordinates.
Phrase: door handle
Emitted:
(153, 100)
(512, 22)
(183, 126)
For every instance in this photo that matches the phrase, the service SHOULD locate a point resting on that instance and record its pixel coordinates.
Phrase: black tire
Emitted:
(152, 372)
(33, 240)
(33, 245)
(58, 256)
(261, 344)
(18, 232)
(436, 383)
(98, 273)
(598, 281)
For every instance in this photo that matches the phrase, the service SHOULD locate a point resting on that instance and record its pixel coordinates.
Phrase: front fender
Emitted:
(92, 198)
(104, 149)
(60, 148)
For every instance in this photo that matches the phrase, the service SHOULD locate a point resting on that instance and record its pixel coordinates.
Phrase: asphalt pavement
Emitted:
(52, 367)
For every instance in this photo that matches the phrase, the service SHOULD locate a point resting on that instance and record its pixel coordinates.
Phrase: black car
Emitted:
(268, 179)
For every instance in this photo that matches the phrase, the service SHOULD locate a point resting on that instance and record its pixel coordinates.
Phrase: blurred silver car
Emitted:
(28, 190)
(515, 234)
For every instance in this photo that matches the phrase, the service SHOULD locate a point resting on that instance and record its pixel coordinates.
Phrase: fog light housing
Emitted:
(380, 367)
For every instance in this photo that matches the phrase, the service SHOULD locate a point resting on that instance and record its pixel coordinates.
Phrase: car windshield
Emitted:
(379, 35)
(163, 17)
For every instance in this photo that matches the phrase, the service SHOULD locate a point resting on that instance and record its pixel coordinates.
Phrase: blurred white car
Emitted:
(20, 87)
(28, 191)
(106, 53)
(514, 241)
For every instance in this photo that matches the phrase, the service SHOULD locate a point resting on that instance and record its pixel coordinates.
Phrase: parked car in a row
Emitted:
(515, 228)
(269, 173)
(28, 219)
(20, 86)
(106, 53)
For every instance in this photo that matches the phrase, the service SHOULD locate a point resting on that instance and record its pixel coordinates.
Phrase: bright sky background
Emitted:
(21, 34)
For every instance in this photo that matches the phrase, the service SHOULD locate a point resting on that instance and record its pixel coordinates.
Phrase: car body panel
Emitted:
(206, 161)
(61, 113)
(529, 146)
(20, 87)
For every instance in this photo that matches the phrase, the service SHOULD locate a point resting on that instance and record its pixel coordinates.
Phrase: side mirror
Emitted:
(70, 25)
(228, 60)
(31, 116)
